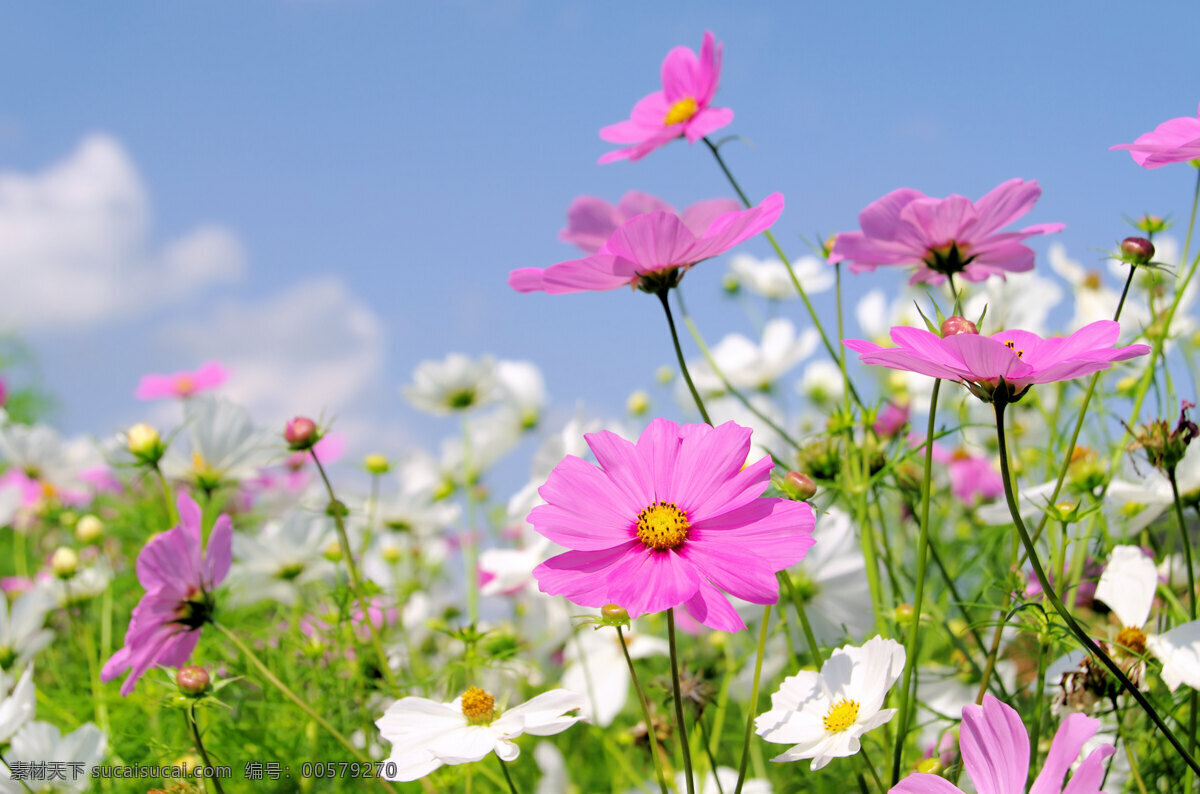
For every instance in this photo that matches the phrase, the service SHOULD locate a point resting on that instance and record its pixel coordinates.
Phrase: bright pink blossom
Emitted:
(677, 519)
(1016, 358)
(179, 576)
(652, 249)
(681, 108)
(182, 384)
(1174, 141)
(971, 476)
(591, 220)
(994, 746)
(941, 237)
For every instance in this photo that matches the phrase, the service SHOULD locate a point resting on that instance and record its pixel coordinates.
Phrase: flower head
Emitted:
(1015, 359)
(1173, 141)
(824, 714)
(591, 220)
(945, 237)
(652, 250)
(179, 576)
(182, 384)
(681, 108)
(453, 384)
(1165, 448)
(676, 519)
(426, 734)
(995, 750)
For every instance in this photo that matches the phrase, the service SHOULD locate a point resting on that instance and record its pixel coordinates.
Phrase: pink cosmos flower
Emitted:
(995, 750)
(676, 519)
(971, 476)
(681, 108)
(1016, 358)
(182, 384)
(179, 577)
(591, 220)
(652, 250)
(944, 237)
(1174, 141)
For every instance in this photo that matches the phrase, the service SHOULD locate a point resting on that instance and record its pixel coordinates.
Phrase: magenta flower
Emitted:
(1016, 358)
(182, 384)
(676, 519)
(179, 577)
(681, 108)
(1174, 141)
(995, 750)
(944, 237)
(592, 220)
(652, 251)
(971, 476)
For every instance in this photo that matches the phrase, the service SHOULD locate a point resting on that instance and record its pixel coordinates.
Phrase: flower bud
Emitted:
(638, 403)
(64, 562)
(301, 433)
(193, 680)
(615, 613)
(391, 553)
(799, 486)
(1151, 224)
(377, 464)
(958, 325)
(88, 529)
(730, 284)
(930, 766)
(145, 443)
(664, 374)
(1137, 250)
(904, 613)
(333, 551)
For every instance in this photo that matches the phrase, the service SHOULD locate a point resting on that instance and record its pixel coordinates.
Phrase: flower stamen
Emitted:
(478, 706)
(662, 526)
(681, 111)
(841, 715)
(1132, 638)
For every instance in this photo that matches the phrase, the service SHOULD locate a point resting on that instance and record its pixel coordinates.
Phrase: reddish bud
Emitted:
(958, 325)
(193, 680)
(1137, 250)
(799, 486)
(301, 433)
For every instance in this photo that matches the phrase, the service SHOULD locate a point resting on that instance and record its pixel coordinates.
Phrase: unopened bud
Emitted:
(664, 374)
(391, 554)
(904, 613)
(193, 680)
(638, 403)
(799, 486)
(614, 612)
(377, 464)
(930, 766)
(1137, 250)
(952, 326)
(333, 551)
(301, 433)
(88, 529)
(730, 284)
(144, 443)
(64, 562)
(1151, 224)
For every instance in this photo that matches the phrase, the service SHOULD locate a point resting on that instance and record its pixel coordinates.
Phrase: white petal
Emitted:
(1127, 585)
(1179, 652)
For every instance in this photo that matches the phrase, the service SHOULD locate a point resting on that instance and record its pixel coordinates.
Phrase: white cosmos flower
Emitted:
(285, 555)
(833, 583)
(1146, 494)
(58, 465)
(456, 383)
(1016, 300)
(426, 734)
(16, 703)
(88, 582)
(822, 382)
(41, 741)
(21, 633)
(596, 666)
(1094, 300)
(750, 366)
(226, 445)
(1179, 652)
(553, 767)
(824, 714)
(522, 389)
(770, 278)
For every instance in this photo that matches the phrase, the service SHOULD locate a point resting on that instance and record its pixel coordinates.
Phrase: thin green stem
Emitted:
(683, 736)
(1187, 240)
(168, 497)
(706, 740)
(1040, 691)
(663, 297)
(907, 689)
(753, 705)
(809, 637)
(1193, 701)
(645, 704)
(338, 509)
(1057, 603)
(189, 717)
(507, 777)
(866, 759)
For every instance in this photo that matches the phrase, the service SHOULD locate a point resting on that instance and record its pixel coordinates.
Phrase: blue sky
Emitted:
(336, 191)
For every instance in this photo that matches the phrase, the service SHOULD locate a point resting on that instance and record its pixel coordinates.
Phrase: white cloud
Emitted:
(75, 245)
(311, 348)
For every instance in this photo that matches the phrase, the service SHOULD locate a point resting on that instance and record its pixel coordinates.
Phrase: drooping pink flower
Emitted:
(942, 237)
(1173, 141)
(652, 250)
(591, 220)
(676, 519)
(179, 577)
(681, 108)
(995, 750)
(971, 476)
(182, 384)
(891, 419)
(1016, 358)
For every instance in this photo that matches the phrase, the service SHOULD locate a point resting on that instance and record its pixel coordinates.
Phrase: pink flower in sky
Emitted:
(1174, 141)
(1016, 358)
(677, 519)
(182, 384)
(652, 250)
(943, 237)
(994, 746)
(591, 220)
(681, 108)
(179, 577)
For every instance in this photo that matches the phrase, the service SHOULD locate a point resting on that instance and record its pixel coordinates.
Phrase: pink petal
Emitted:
(735, 227)
(637, 203)
(734, 569)
(681, 75)
(777, 531)
(701, 215)
(882, 218)
(625, 466)
(987, 358)
(924, 783)
(654, 241)
(1072, 733)
(710, 607)
(941, 220)
(648, 581)
(590, 221)
(582, 577)
(995, 747)
(594, 273)
(219, 554)
(1003, 204)
(706, 122)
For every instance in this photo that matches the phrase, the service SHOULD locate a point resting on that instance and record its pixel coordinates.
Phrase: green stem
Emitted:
(1187, 240)
(645, 704)
(907, 690)
(707, 741)
(662, 296)
(753, 706)
(866, 759)
(683, 737)
(1193, 701)
(833, 353)
(1040, 689)
(1057, 603)
(168, 497)
(189, 717)
(809, 637)
(507, 777)
(337, 508)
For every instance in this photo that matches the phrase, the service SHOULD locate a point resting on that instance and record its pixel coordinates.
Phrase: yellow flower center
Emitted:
(841, 715)
(1092, 280)
(478, 706)
(681, 111)
(1011, 345)
(184, 384)
(1132, 638)
(662, 526)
